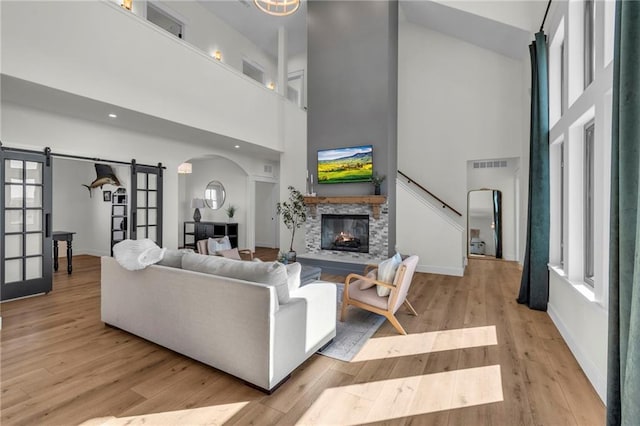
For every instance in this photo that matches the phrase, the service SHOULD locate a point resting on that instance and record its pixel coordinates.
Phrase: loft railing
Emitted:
(444, 204)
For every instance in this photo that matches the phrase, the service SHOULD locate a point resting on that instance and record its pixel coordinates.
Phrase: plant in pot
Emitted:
(231, 211)
(294, 214)
(377, 180)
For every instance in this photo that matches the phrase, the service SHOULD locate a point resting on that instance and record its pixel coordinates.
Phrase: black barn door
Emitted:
(25, 246)
(146, 202)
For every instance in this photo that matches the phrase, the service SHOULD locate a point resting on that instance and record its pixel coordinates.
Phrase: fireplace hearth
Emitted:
(345, 232)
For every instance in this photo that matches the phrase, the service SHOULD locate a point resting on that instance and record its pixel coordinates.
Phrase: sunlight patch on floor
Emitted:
(214, 415)
(422, 343)
(408, 396)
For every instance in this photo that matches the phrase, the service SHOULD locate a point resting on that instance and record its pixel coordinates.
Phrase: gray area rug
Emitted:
(352, 334)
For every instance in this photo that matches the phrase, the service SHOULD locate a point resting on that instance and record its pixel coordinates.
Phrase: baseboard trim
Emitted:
(441, 270)
(598, 382)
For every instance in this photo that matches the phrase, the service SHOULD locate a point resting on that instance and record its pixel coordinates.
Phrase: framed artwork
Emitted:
(106, 196)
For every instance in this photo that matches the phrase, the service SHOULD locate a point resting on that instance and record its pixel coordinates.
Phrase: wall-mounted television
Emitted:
(344, 165)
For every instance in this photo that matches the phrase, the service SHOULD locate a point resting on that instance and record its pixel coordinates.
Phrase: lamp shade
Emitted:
(197, 203)
(185, 168)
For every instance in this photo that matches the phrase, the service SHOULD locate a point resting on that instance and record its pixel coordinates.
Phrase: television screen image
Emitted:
(343, 165)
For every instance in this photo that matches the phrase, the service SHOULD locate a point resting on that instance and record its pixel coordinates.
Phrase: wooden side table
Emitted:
(62, 236)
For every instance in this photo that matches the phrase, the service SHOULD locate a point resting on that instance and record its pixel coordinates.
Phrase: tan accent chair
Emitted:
(369, 300)
(203, 248)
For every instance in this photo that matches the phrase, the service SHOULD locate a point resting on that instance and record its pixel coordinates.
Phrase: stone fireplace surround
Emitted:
(374, 206)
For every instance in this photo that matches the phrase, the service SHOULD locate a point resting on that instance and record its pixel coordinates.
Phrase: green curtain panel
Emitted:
(534, 286)
(623, 382)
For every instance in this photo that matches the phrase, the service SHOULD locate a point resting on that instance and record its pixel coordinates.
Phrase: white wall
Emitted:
(578, 309)
(297, 63)
(74, 210)
(423, 229)
(501, 179)
(233, 178)
(293, 170)
(205, 31)
(138, 65)
(456, 102)
(25, 127)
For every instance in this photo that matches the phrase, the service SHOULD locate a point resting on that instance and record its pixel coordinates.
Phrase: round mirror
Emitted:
(214, 195)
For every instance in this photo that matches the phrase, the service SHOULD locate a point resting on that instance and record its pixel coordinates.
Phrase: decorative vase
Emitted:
(291, 256)
(376, 190)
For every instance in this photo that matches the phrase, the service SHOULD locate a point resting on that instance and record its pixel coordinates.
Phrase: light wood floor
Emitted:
(61, 366)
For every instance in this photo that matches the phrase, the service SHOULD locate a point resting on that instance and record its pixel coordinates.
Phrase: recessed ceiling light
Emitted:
(112, 115)
(237, 146)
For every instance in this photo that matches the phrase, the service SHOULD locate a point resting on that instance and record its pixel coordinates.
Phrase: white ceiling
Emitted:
(490, 34)
(504, 26)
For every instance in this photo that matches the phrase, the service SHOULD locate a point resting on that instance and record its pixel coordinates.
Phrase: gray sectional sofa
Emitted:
(252, 330)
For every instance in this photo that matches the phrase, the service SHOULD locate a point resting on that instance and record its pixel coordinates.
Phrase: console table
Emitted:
(196, 231)
(62, 236)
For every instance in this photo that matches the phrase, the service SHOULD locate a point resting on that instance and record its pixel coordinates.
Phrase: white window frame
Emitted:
(256, 66)
(589, 45)
(589, 202)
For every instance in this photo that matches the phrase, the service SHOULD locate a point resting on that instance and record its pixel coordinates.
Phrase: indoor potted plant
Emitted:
(294, 214)
(377, 180)
(231, 210)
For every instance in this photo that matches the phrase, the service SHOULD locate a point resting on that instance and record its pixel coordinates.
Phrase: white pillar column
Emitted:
(283, 59)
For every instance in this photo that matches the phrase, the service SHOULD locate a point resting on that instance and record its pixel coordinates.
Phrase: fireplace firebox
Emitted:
(345, 232)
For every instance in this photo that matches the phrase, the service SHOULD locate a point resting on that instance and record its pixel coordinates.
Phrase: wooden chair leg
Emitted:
(410, 307)
(343, 311)
(394, 322)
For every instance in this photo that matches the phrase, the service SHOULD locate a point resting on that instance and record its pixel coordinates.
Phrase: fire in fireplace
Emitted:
(345, 232)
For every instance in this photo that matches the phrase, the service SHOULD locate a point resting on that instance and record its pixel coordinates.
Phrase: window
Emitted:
(164, 20)
(563, 85)
(296, 87)
(589, 162)
(589, 43)
(561, 205)
(253, 70)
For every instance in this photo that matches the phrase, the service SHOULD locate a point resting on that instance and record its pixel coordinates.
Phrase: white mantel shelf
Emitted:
(373, 200)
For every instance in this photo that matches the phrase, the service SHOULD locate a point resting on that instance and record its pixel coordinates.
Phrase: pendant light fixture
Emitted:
(278, 7)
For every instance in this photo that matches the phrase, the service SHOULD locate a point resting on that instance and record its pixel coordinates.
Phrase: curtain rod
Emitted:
(545, 16)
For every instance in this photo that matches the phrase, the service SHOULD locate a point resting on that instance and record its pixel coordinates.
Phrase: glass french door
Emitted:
(25, 245)
(146, 203)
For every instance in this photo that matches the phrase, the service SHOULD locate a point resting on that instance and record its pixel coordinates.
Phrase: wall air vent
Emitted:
(489, 164)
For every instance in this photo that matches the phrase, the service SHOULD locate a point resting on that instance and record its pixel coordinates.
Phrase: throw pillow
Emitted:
(387, 272)
(269, 273)
(214, 245)
(293, 276)
(368, 284)
(230, 254)
(173, 258)
(137, 254)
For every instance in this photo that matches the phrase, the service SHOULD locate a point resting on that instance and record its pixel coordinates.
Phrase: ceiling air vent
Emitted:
(245, 3)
